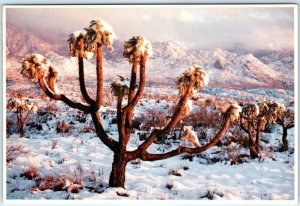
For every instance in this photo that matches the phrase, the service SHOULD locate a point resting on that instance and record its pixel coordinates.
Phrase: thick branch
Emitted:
(83, 90)
(99, 71)
(121, 121)
(109, 142)
(141, 88)
(290, 125)
(62, 97)
(128, 119)
(153, 157)
(26, 117)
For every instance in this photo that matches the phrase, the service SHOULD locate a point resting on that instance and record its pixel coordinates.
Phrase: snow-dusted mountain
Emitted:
(230, 69)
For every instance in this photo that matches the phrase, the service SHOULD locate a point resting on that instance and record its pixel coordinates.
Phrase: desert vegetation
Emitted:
(129, 124)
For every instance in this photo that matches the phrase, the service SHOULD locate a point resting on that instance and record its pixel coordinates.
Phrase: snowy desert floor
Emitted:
(80, 154)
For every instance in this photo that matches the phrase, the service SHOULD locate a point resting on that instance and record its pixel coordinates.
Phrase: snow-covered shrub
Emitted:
(137, 47)
(175, 172)
(62, 127)
(31, 172)
(13, 151)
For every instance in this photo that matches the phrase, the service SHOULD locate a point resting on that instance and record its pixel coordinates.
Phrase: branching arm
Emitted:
(83, 90)
(62, 97)
(109, 142)
(153, 157)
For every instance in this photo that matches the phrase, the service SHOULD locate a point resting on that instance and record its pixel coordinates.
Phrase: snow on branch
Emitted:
(120, 86)
(271, 110)
(137, 47)
(232, 110)
(250, 110)
(190, 135)
(196, 75)
(33, 66)
(77, 45)
(99, 32)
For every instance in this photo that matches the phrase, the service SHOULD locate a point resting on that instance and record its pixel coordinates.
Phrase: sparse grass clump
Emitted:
(62, 127)
(175, 172)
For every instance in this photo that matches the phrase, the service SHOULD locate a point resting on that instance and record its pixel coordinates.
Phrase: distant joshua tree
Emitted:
(287, 122)
(21, 106)
(83, 44)
(254, 119)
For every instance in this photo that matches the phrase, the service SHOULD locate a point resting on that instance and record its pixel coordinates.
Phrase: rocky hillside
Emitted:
(225, 68)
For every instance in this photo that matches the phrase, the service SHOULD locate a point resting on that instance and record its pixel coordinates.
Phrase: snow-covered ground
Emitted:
(209, 175)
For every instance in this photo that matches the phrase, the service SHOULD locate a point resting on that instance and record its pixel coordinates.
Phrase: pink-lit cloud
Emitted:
(195, 26)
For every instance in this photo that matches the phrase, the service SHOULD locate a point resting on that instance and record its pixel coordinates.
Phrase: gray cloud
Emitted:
(194, 26)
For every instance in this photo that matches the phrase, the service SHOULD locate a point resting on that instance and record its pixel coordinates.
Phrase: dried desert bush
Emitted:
(31, 172)
(62, 127)
(13, 151)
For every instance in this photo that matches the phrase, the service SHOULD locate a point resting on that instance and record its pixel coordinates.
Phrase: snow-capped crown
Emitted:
(272, 109)
(194, 74)
(137, 47)
(233, 110)
(120, 86)
(24, 104)
(33, 66)
(84, 43)
(101, 32)
(251, 109)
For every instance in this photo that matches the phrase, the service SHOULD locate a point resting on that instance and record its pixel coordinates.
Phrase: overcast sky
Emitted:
(193, 26)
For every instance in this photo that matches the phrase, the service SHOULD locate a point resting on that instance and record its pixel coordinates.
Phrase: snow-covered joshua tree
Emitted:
(21, 106)
(287, 121)
(137, 50)
(255, 117)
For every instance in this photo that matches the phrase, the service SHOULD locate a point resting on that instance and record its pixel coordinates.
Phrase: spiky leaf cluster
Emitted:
(194, 75)
(77, 47)
(266, 112)
(232, 110)
(23, 104)
(99, 32)
(33, 66)
(251, 110)
(120, 86)
(272, 110)
(137, 47)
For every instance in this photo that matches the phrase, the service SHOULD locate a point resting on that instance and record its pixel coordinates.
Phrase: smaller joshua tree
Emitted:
(287, 122)
(20, 106)
(255, 118)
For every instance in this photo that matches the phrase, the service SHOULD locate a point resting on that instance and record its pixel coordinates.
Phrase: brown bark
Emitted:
(252, 145)
(99, 71)
(109, 142)
(258, 131)
(83, 90)
(153, 157)
(285, 143)
(117, 175)
(63, 98)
